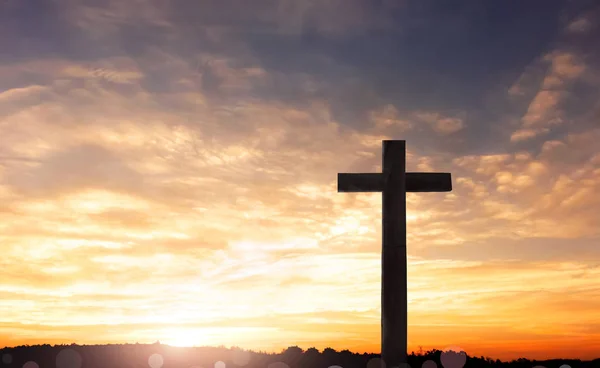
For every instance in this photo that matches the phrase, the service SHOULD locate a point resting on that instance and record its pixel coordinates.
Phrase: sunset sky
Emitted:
(168, 171)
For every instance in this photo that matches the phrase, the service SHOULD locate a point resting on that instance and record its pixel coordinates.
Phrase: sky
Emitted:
(168, 171)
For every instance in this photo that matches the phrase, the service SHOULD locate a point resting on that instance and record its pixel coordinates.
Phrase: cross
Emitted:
(393, 183)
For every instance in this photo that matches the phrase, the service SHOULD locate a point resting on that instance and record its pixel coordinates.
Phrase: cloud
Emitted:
(545, 185)
(541, 108)
(14, 94)
(106, 20)
(564, 67)
(580, 25)
(126, 77)
(79, 168)
(388, 116)
(441, 124)
(545, 110)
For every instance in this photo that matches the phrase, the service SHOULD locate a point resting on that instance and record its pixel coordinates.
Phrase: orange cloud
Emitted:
(545, 111)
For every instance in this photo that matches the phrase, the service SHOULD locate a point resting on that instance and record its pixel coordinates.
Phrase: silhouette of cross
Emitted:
(393, 183)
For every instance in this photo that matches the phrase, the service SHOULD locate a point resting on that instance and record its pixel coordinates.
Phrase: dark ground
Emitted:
(163, 356)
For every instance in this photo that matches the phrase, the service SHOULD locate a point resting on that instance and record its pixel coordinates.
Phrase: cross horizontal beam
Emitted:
(415, 182)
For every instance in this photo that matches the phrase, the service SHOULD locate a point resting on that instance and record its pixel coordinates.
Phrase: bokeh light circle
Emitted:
(6, 358)
(376, 363)
(220, 364)
(241, 358)
(68, 358)
(453, 357)
(565, 366)
(429, 364)
(156, 361)
(31, 364)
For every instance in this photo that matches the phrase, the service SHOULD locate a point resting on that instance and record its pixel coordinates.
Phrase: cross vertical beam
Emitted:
(393, 183)
(393, 256)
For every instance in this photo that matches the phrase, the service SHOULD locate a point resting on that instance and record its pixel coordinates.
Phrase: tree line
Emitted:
(164, 356)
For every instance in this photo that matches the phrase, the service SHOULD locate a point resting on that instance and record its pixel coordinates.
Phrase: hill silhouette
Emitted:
(164, 356)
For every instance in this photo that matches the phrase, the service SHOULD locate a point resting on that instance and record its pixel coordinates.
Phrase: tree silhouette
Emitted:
(292, 355)
(328, 351)
(312, 350)
(311, 358)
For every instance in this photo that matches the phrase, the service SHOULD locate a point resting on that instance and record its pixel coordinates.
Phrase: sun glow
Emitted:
(185, 337)
(212, 336)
